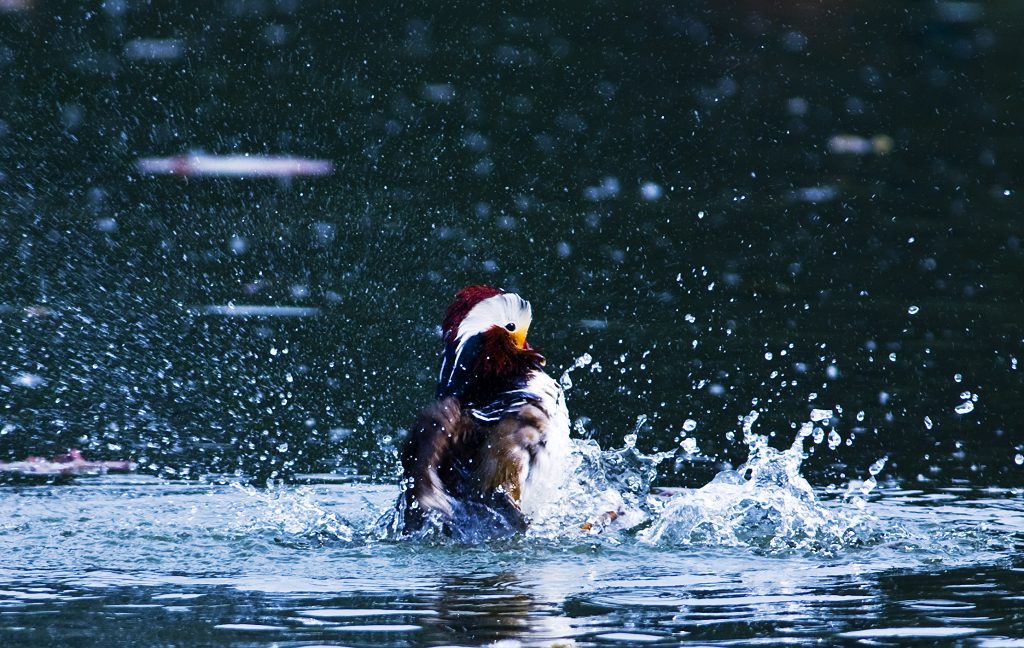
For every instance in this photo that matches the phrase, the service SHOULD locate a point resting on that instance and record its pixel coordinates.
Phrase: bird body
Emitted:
(494, 442)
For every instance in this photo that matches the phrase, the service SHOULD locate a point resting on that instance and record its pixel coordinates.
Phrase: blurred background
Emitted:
(732, 206)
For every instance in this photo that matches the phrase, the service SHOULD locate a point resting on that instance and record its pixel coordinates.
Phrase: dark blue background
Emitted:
(728, 106)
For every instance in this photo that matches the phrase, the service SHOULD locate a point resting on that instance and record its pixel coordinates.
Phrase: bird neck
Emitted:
(500, 367)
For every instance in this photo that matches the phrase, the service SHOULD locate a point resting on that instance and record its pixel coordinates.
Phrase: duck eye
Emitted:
(511, 326)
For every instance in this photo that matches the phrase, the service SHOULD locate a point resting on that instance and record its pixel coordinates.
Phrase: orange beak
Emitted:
(519, 338)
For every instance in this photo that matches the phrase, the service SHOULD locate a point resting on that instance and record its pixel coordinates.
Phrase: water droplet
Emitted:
(928, 422)
(892, 357)
(748, 423)
(689, 445)
(913, 310)
(689, 425)
(834, 440)
(876, 467)
(965, 407)
(1019, 460)
(820, 415)
(768, 356)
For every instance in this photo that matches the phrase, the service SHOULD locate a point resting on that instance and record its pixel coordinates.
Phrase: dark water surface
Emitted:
(732, 207)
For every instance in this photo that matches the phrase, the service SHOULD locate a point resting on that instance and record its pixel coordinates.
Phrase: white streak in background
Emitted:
(33, 310)
(235, 165)
(15, 5)
(857, 145)
(243, 310)
(29, 380)
(820, 194)
(70, 463)
(594, 323)
(154, 49)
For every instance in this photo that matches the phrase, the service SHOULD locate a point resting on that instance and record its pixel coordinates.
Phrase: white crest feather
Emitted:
(499, 310)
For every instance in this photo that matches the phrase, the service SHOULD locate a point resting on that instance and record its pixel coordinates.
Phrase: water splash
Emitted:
(564, 380)
(292, 515)
(857, 491)
(603, 488)
(765, 504)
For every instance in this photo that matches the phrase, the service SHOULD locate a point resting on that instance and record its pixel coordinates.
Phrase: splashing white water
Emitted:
(291, 513)
(764, 504)
(565, 381)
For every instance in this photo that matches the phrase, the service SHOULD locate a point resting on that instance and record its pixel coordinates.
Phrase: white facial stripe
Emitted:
(444, 363)
(496, 311)
(455, 363)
